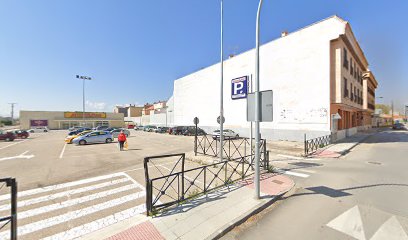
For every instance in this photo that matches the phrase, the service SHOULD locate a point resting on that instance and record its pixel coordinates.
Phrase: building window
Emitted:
(345, 61)
(351, 67)
(355, 94)
(355, 70)
(351, 92)
(346, 92)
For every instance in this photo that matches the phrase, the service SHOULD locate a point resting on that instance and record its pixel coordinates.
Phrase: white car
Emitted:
(38, 130)
(228, 134)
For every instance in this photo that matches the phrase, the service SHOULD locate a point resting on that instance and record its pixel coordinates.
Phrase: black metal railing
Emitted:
(177, 186)
(233, 147)
(312, 145)
(12, 218)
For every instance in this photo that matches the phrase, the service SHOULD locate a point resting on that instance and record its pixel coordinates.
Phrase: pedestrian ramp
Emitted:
(74, 209)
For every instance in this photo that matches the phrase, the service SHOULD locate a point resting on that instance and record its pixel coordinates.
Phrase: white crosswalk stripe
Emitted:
(71, 210)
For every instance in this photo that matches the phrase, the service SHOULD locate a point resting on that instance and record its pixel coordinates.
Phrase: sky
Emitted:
(134, 49)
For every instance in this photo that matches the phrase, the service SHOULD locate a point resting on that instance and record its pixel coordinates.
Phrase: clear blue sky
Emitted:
(134, 50)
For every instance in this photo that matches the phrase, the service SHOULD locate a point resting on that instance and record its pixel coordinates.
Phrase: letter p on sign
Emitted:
(239, 88)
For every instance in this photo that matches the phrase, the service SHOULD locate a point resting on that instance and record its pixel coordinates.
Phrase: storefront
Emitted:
(65, 120)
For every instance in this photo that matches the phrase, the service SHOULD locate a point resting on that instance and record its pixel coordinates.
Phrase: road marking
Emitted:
(18, 157)
(98, 224)
(303, 175)
(63, 185)
(349, 223)
(288, 156)
(390, 230)
(75, 201)
(64, 194)
(49, 222)
(62, 152)
(305, 170)
(13, 144)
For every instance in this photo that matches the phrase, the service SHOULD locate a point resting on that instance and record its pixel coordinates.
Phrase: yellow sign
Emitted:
(87, 115)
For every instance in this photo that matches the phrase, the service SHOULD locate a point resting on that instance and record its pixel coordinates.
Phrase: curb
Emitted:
(243, 218)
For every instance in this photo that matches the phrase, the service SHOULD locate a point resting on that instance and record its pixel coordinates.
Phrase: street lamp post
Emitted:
(83, 95)
(222, 87)
(257, 105)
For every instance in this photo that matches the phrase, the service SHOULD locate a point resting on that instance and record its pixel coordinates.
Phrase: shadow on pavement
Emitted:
(334, 193)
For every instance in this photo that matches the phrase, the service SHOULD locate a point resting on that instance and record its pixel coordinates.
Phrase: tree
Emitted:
(385, 108)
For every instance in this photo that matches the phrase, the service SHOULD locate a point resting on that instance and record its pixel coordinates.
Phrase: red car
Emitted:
(7, 136)
(21, 134)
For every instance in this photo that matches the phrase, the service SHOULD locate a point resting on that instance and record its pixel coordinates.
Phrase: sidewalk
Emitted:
(206, 217)
(344, 146)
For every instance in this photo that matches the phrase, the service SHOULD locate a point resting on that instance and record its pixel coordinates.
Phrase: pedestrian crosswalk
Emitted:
(295, 166)
(74, 209)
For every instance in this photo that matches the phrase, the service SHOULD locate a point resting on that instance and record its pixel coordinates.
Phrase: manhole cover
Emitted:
(376, 163)
(277, 182)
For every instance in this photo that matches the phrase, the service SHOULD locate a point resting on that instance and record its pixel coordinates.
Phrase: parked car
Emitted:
(228, 134)
(399, 126)
(110, 129)
(74, 128)
(116, 132)
(139, 128)
(21, 133)
(191, 131)
(130, 126)
(77, 131)
(7, 136)
(177, 130)
(161, 130)
(94, 137)
(70, 138)
(38, 130)
(149, 128)
(101, 128)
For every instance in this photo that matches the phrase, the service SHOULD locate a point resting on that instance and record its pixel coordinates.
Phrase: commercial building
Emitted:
(65, 120)
(129, 110)
(315, 73)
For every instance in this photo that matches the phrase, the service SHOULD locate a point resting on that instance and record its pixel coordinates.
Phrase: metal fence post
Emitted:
(195, 141)
(182, 176)
(148, 190)
(13, 184)
(264, 153)
(305, 145)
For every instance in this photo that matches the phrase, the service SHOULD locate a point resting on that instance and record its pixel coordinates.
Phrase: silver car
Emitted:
(94, 137)
(116, 132)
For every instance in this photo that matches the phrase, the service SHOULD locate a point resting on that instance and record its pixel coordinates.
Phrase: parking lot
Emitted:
(66, 187)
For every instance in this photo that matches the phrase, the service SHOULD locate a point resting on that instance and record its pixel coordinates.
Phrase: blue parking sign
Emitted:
(239, 88)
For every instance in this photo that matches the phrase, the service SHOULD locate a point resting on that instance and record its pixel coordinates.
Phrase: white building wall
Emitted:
(295, 67)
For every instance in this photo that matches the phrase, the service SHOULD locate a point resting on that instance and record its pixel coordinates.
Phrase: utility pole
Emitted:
(392, 112)
(12, 112)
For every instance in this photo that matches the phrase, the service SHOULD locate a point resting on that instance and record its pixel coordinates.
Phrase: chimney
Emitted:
(284, 33)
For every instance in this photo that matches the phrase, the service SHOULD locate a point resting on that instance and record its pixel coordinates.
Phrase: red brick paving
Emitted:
(271, 184)
(142, 231)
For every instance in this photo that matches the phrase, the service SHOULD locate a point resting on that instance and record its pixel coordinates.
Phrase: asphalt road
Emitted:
(360, 196)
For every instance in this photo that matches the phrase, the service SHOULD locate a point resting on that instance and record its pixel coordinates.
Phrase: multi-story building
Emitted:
(129, 110)
(315, 73)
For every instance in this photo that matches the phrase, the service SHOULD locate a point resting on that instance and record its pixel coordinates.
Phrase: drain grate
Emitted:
(277, 181)
(376, 163)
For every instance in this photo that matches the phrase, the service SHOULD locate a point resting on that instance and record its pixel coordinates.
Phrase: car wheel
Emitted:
(7, 139)
(108, 140)
(82, 142)
(23, 137)
(237, 136)
(127, 135)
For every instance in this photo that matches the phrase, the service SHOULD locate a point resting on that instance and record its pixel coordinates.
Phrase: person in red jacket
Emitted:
(121, 140)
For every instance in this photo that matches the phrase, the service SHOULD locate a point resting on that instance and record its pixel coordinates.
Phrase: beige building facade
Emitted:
(65, 120)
